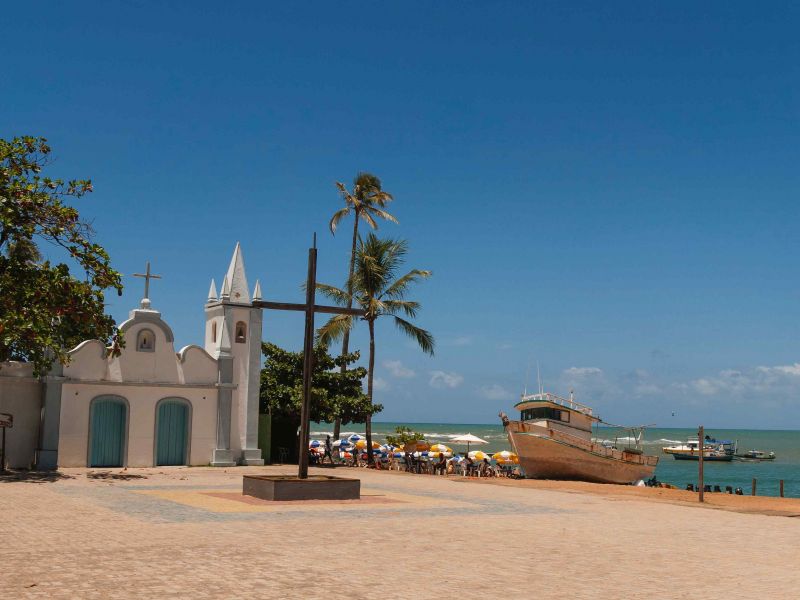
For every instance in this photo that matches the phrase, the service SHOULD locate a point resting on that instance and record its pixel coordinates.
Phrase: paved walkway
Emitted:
(188, 533)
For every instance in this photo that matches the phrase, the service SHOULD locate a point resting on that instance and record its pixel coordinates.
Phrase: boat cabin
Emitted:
(557, 413)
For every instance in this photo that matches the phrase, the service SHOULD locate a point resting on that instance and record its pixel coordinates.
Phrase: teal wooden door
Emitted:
(108, 433)
(173, 431)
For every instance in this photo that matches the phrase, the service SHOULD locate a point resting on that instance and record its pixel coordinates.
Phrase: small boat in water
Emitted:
(553, 440)
(713, 450)
(756, 455)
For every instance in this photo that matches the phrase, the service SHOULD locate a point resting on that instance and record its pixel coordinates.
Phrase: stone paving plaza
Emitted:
(189, 533)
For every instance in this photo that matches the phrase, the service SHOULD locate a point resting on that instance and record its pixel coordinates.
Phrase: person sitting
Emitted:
(468, 465)
(485, 468)
(440, 466)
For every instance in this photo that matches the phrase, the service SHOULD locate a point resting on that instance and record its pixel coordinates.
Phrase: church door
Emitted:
(108, 422)
(172, 432)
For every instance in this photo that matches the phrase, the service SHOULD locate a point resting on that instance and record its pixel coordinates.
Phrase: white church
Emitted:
(150, 405)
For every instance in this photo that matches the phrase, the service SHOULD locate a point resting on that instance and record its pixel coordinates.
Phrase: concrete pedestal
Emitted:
(287, 487)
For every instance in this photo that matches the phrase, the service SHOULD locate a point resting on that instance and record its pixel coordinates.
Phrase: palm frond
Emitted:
(334, 329)
(380, 198)
(341, 297)
(338, 216)
(364, 213)
(423, 338)
(398, 289)
(392, 307)
(377, 212)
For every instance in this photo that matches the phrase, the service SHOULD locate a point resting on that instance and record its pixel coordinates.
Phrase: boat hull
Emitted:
(706, 458)
(542, 457)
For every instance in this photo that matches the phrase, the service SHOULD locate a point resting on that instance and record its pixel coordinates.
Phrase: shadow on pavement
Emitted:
(114, 476)
(33, 476)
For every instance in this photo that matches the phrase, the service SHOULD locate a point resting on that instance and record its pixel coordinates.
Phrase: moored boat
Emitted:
(553, 439)
(713, 450)
(756, 455)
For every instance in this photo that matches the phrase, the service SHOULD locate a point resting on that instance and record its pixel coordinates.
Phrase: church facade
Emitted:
(149, 406)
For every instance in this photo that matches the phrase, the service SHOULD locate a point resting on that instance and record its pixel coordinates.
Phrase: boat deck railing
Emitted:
(632, 456)
(555, 399)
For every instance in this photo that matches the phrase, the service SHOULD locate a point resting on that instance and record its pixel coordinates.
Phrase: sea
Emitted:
(737, 474)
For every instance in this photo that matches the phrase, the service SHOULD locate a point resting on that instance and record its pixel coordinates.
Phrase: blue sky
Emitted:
(610, 190)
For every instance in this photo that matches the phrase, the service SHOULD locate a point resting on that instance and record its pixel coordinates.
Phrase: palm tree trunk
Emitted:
(370, 373)
(337, 424)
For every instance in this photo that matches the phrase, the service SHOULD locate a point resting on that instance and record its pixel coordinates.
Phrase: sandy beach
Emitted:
(189, 533)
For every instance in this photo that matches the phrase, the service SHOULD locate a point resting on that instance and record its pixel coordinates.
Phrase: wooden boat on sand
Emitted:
(553, 439)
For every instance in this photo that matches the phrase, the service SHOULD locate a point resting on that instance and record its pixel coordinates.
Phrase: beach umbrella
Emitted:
(361, 444)
(399, 454)
(354, 438)
(438, 454)
(477, 455)
(440, 448)
(467, 439)
(506, 457)
(417, 446)
(339, 443)
(314, 444)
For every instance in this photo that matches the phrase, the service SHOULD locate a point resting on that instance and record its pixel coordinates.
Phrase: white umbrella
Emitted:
(467, 439)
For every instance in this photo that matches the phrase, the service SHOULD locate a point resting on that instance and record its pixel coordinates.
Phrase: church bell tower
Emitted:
(233, 337)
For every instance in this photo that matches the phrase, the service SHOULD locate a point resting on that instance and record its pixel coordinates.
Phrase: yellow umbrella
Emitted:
(361, 444)
(439, 448)
(506, 457)
(432, 454)
(478, 455)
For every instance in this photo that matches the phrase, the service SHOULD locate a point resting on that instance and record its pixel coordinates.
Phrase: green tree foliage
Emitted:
(334, 393)
(403, 435)
(378, 289)
(45, 310)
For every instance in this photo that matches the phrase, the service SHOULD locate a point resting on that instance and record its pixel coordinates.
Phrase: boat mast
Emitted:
(539, 378)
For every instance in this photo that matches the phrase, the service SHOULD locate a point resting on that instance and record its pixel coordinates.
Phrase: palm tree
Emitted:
(366, 201)
(376, 289)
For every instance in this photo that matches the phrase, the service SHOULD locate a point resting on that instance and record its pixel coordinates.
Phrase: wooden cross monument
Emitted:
(310, 308)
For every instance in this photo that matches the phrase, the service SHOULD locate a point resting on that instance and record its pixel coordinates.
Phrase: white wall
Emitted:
(75, 401)
(20, 395)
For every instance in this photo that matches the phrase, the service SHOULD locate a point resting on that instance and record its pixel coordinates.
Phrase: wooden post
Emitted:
(701, 440)
(753, 490)
(781, 487)
(308, 360)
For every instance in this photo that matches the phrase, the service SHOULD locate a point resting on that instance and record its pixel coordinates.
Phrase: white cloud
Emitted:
(583, 371)
(379, 385)
(396, 368)
(758, 380)
(445, 379)
(494, 392)
(462, 340)
(781, 370)
(706, 387)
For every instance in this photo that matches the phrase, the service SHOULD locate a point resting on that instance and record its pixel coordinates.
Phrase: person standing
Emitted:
(328, 450)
